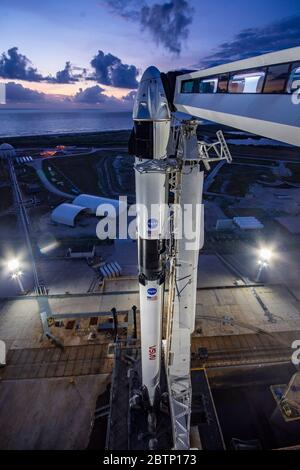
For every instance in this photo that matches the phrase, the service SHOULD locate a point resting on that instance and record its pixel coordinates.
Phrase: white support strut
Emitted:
(184, 252)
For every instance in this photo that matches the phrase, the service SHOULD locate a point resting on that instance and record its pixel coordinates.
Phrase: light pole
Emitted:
(17, 276)
(263, 262)
(16, 273)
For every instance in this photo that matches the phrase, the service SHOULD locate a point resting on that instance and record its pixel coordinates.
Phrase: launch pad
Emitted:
(136, 427)
(132, 423)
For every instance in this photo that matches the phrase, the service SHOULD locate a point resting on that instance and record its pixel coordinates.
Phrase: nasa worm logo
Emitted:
(152, 353)
(151, 293)
(152, 224)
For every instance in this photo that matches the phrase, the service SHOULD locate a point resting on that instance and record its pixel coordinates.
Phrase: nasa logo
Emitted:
(151, 293)
(152, 224)
(152, 353)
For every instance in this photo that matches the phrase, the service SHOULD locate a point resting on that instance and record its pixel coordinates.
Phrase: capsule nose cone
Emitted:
(151, 103)
(151, 73)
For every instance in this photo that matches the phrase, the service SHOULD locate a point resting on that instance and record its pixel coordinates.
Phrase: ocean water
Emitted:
(21, 122)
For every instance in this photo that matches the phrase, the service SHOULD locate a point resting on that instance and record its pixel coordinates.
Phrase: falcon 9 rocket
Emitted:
(152, 123)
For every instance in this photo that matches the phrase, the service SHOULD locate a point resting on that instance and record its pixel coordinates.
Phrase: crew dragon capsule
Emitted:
(149, 140)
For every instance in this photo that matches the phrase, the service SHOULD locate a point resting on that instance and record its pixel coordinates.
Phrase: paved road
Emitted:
(37, 165)
(48, 185)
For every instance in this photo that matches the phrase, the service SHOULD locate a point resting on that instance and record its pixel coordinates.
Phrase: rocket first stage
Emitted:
(152, 123)
(168, 160)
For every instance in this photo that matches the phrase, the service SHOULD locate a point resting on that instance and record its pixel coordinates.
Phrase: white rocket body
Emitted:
(151, 303)
(151, 117)
(150, 198)
(149, 143)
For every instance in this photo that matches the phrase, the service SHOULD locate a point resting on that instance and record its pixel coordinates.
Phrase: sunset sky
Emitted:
(92, 53)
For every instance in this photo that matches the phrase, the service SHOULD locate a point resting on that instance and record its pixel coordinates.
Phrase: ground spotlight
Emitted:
(264, 257)
(13, 265)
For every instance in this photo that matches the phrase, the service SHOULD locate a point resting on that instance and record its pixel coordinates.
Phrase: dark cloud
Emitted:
(16, 93)
(167, 22)
(70, 74)
(91, 95)
(17, 66)
(254, 41)
(66, 75)
(130, 97)
(109, 70)
(14, 65)
(95, 96)
(128, 9)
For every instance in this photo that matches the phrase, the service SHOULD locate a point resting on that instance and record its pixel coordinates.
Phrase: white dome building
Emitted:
(7, 151)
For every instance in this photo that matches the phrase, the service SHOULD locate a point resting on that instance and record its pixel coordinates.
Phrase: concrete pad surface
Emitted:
(53, 413)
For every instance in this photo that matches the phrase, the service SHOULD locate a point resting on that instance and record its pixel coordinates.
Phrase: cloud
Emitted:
(66, 75)
(168, 22)
(109, 70)
(130, 97)
(14, 65)
(128, 9)
(70, 74)
(249, 42)
(91, 95)
(16, 93)
(17, 66)
(95, 96)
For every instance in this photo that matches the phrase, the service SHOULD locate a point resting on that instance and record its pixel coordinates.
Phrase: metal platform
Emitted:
(204, 416)
(38, 363)
(128, 428)
(243, 349)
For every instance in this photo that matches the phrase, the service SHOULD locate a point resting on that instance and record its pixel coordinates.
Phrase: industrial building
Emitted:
(68, 214)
